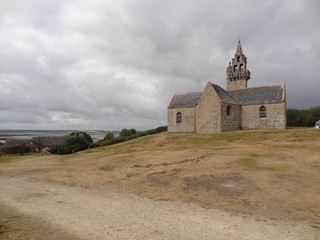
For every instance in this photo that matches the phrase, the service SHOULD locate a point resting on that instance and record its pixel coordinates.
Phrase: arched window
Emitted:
(238, 58)
(263, 112)
(241, 67)
(228, 110)
(179, 117)
(235, 68)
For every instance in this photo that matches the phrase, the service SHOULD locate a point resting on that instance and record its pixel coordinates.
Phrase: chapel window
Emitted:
(263, 112)
(228, 110)
(179, 117)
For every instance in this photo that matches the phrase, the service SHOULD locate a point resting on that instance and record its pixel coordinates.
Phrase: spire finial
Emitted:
(239, 48)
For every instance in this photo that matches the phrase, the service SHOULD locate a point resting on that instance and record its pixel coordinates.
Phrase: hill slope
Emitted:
(269, 173)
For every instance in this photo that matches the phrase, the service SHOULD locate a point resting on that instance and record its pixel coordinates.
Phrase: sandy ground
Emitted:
(75, 212)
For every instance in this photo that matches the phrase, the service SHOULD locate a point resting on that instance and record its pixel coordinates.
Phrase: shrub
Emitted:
(296, 117)
(77, 141)
(109, 136)
(126, 135)
(84, 135)
(18, 150)
(126, 132)
(132, 131)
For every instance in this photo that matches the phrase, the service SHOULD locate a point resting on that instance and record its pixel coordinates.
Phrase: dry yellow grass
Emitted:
(270, 173)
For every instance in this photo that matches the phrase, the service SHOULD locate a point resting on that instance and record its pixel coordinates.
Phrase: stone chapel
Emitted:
(237, 107)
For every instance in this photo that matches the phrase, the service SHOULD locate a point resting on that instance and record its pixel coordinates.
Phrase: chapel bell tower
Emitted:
(237, 73)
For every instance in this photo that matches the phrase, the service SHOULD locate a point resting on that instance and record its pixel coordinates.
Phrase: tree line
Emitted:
(303, 117)
(126, 135)
(79, 141)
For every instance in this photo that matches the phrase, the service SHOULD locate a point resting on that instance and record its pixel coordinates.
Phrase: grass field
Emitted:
(265, 172)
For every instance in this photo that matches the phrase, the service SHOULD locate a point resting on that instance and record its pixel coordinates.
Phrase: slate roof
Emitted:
(185, 100)
(248, 96)
(258, 95)
(10, 142)
(52, 140)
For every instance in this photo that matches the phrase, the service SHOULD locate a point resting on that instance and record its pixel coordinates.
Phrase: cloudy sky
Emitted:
(111, 64)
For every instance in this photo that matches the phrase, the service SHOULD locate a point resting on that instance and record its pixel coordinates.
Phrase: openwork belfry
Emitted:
(237, 107)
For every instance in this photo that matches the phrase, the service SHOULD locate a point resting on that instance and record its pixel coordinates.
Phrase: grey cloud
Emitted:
(113, 64)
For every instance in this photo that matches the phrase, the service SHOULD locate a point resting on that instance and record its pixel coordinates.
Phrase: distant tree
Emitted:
(132, 131)
(82, 134)
(56, 149)
(77, 141)
(126, 133)
(161, 129)
(18, 150)
(109, 136)
(313, 115)
(296, 117)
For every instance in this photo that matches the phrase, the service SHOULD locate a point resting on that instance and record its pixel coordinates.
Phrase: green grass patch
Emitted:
(251, 162)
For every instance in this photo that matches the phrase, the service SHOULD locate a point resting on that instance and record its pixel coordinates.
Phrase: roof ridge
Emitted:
(181, 93)
(224, 91)
(215, 84)
(273, 85)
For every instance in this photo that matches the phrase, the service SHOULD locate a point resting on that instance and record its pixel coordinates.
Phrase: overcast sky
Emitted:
(112, 64)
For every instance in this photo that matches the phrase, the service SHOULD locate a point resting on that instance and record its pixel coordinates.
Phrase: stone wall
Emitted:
(276, 117)
(230, 122)
(236, 84)
(209, 112)
(188, 123)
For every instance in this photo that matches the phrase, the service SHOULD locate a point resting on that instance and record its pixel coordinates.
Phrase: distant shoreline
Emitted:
(25, 134)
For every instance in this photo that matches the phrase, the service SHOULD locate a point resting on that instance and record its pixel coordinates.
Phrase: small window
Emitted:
(263, 112)
(228, 110)
(179, 117)
(241, 67)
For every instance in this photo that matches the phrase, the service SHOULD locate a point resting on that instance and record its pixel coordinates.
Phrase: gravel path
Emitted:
(92, 214)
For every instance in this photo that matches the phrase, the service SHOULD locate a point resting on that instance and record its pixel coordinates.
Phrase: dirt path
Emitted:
(90, 214)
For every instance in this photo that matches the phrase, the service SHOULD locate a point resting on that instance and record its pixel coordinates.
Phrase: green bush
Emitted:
(77, 141)
(126, 132)
(84, 135)
(126, 135)
(132, 131)
(296, 117)
(109, 136)
(18, 150)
